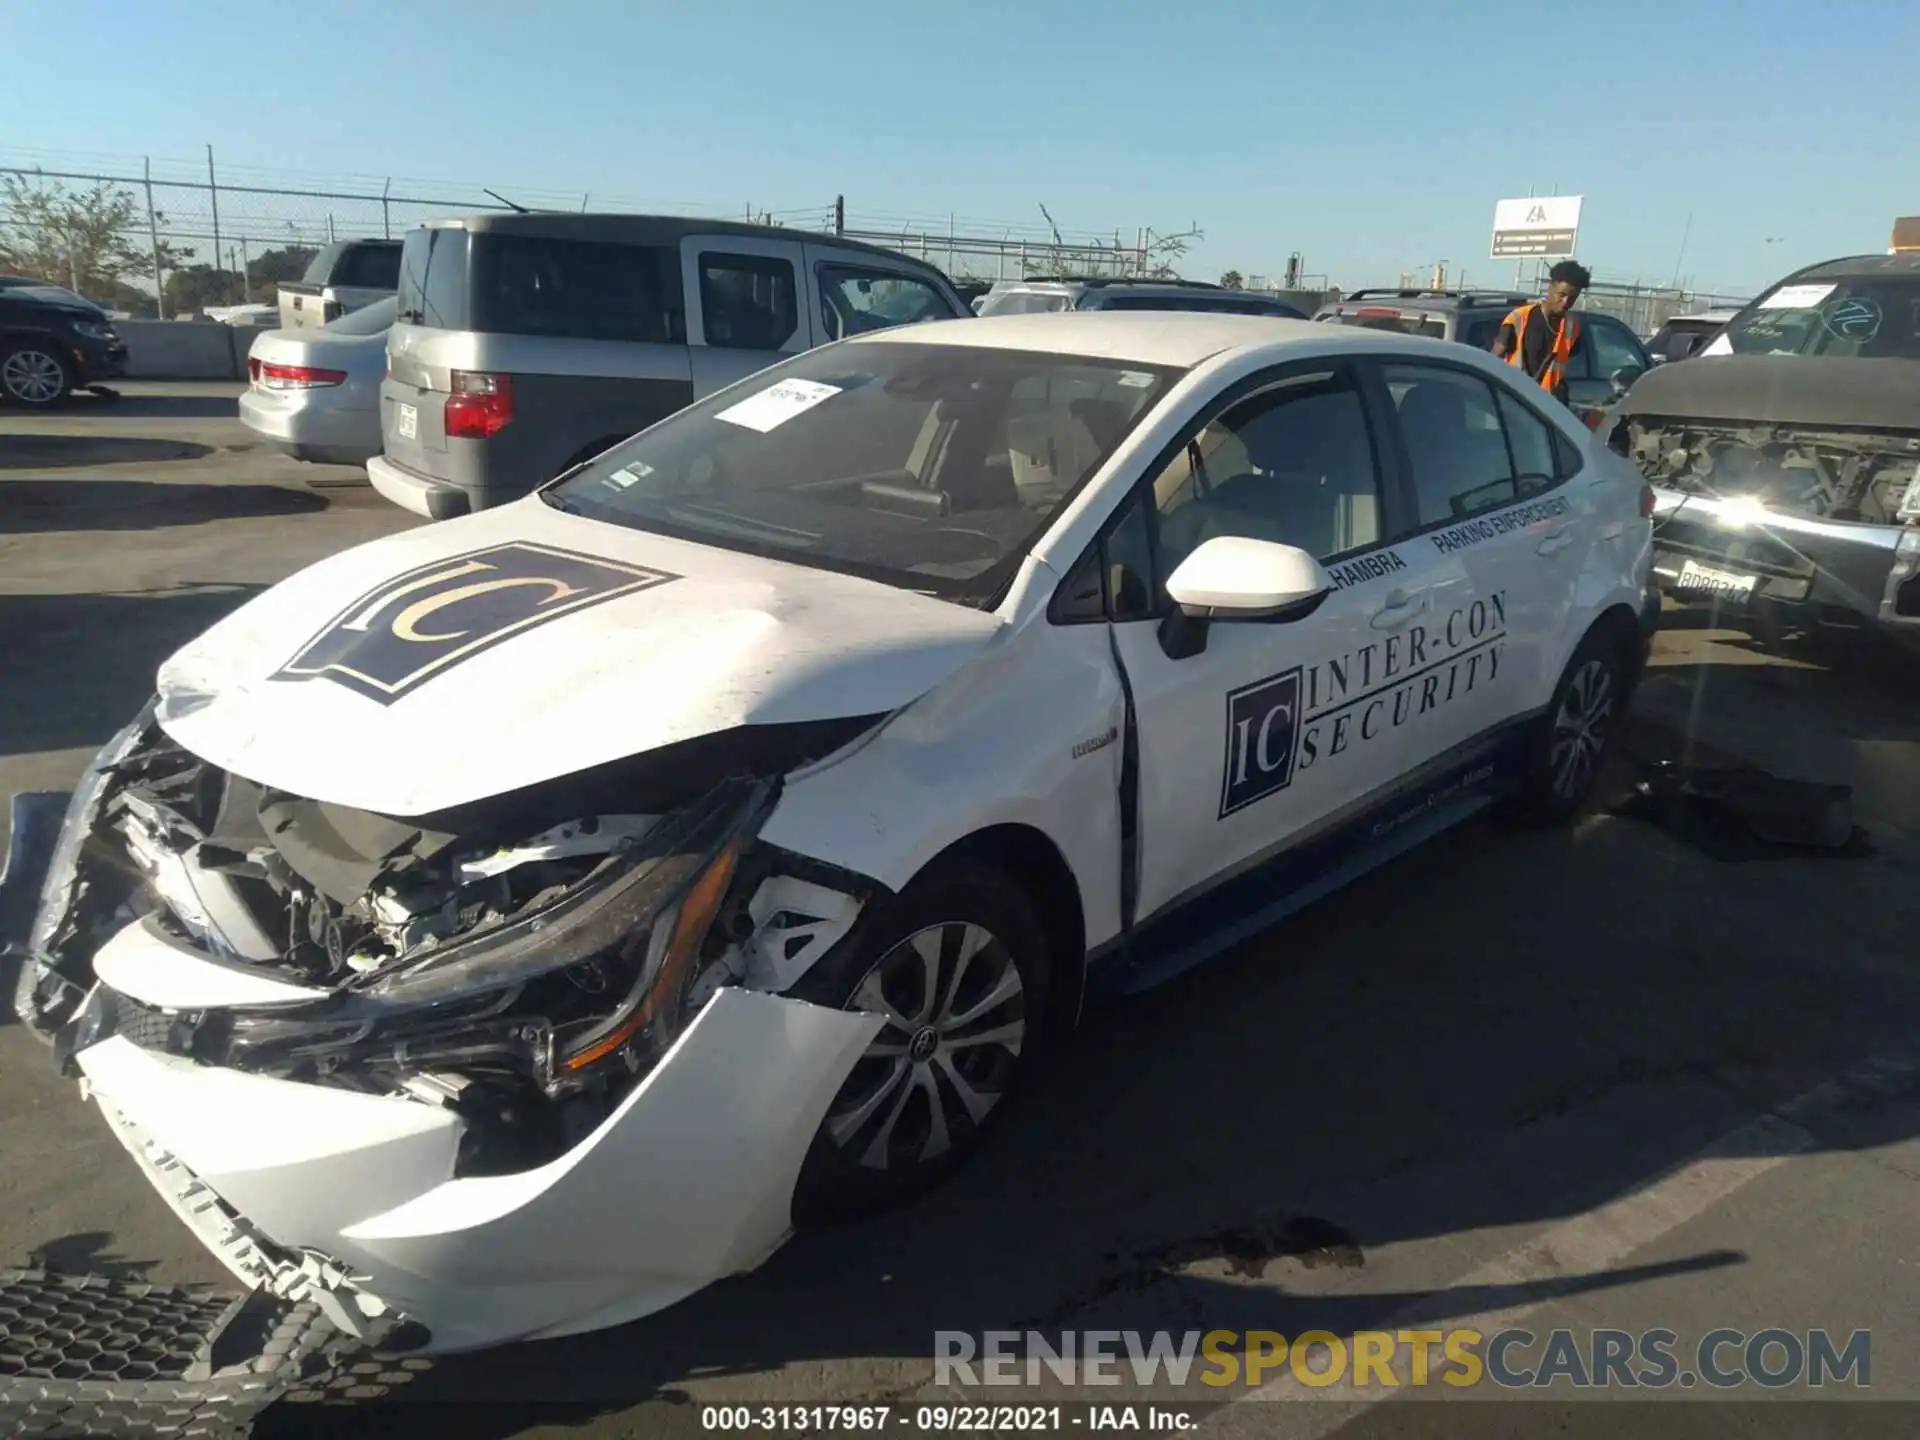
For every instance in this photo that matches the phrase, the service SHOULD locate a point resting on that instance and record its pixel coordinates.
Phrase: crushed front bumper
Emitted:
(350, 1200)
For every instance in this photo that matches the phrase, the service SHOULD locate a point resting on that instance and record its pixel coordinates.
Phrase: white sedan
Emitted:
(518, 923)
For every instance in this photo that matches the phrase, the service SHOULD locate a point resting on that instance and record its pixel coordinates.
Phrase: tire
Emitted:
(35, 375)
(1570, 746)
(934, 957)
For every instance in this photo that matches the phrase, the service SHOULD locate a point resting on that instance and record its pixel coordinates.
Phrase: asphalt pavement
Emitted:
(1621, 1077)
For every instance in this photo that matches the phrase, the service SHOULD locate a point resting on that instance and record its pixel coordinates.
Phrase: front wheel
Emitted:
(1572, 742)
(35, 375)
(957, 967)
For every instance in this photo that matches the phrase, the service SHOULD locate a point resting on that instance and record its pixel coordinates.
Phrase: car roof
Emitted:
(1178, 338)
(1434, 299)
(649, 229)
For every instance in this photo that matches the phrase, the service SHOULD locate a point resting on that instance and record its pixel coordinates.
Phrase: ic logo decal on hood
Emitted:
(424, 621)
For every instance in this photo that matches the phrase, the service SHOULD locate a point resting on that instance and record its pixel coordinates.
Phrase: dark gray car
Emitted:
(525, 344)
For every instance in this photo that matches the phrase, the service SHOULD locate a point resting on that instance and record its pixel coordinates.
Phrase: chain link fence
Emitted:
(1646, 308)
(191, 236)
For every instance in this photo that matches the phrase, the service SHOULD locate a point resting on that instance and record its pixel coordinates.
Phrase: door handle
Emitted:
(1556, 540)
(1400, 609)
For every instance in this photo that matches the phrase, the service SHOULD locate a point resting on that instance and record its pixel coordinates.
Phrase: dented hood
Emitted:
(481, 655)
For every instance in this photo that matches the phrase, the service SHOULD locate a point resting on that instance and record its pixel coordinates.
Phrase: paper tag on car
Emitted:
(1721, 346)
(1796, 297)
(777, 404)
(409, 425)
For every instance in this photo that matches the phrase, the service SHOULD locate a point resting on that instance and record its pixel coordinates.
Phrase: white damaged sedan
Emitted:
(514, 924)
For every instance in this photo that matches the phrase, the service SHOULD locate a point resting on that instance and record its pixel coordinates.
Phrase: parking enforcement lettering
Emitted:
(1472, 532)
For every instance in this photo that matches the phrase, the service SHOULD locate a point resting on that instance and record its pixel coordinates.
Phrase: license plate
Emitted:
(409, 426)
(1715, 582)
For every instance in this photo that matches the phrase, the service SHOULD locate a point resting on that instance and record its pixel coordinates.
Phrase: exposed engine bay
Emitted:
(1867, 476)
(523, 960)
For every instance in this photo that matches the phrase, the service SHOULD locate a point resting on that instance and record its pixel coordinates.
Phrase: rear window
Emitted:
(537, 285)
(377, 267)
(321, 266)
(1402, 322)
(433, 280)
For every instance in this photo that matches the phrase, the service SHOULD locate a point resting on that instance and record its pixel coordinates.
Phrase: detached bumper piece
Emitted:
(87, 1355)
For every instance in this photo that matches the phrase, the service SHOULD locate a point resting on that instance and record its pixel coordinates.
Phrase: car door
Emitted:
(1489, 476)
(1272, 731)
(749, 305)
(1606, 348)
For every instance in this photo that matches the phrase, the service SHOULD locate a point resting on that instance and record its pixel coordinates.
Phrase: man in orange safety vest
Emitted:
(1539, 336)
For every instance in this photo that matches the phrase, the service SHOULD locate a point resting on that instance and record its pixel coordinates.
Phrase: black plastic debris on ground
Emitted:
(1743, 813)
(84, 1355)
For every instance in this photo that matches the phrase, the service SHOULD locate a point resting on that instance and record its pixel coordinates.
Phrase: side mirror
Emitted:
(1623, 378)
(1233, 578)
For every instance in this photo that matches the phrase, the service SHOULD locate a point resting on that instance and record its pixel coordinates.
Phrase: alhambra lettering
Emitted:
(1488, 527)
(1364, 568)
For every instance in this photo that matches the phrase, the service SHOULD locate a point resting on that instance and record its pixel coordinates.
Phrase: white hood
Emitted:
(476, 656)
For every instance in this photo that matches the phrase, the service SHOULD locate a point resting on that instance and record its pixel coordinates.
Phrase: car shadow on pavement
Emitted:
(39, 506)
(78, 667)
(61, 452)
(1508, 1030)
(180, 407)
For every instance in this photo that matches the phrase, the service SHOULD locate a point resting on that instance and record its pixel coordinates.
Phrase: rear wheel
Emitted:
(1572, 742)
(35, 375)
(957, 967)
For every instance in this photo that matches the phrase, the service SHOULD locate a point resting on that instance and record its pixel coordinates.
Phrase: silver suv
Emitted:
(1042, 294)
(526, 344)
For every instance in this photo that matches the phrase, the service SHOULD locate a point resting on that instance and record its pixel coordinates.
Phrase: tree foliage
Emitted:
(94, 240)
(267, 269)
(192, 288)
(1232, 280)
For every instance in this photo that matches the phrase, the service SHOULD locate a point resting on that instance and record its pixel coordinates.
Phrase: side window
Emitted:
(855, 301)
(1292, 464)
(1566, 456)
(375, 266)
(571, 289)
(748, 302)
(1479, 333)
(1535, 466)
(1454, 439)
(1614, 347)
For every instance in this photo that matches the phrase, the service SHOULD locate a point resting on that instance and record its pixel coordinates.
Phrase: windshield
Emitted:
(1865, 317)
(1025, 302)
(934, 468)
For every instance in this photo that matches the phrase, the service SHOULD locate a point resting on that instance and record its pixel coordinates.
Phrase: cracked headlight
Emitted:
(90, 794)
(601, 969)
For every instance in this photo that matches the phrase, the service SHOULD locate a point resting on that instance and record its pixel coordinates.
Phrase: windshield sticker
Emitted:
(1322, 713)
(777, 404)
(628, 475)
(1797, 297)
(1721, 345)
(1459, 537)
(1135, 379)
(1854, 319)
(424, 621)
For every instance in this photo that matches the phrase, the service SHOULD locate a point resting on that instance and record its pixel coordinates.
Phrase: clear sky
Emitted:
(1372, 136)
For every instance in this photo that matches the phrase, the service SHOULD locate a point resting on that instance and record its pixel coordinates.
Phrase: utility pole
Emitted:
(213, 196)
(386, 213)
(839, 214)
(246, 271)
(153, 234)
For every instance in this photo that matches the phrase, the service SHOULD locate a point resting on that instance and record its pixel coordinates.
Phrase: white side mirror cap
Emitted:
(1231, 577)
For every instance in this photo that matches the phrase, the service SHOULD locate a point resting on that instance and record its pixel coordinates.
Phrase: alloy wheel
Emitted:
(33, 377)
(954, 1005)
(1580, 729)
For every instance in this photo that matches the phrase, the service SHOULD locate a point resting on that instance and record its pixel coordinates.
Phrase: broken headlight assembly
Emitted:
(582, 990)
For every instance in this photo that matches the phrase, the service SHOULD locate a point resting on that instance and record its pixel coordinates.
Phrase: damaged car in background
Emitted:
(1786, 457)
(506, 928)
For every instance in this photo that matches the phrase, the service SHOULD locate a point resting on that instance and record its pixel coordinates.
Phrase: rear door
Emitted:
(1489, 475)
(750, 304)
